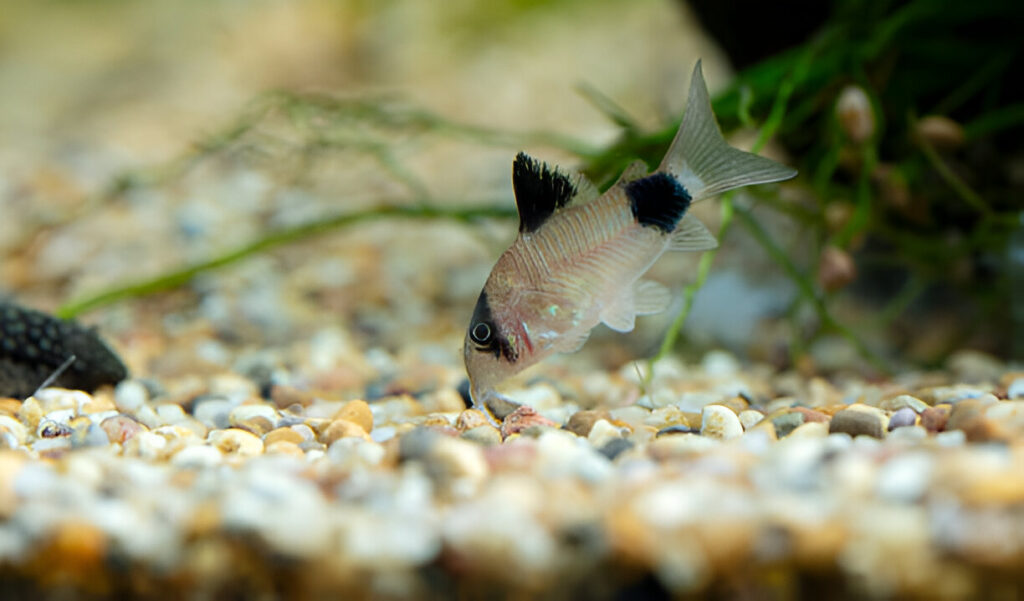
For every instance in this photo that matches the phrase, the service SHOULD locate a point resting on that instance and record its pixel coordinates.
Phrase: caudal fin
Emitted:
(701, 158)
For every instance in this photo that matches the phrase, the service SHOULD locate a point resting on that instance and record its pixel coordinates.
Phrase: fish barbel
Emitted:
(579, 256)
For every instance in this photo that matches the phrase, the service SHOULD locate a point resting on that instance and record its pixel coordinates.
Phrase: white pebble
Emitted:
(197, 457)
(129, 395)
(1016, 389)
(905, 478)
(602, 432)
(720, 422)
(750, 418)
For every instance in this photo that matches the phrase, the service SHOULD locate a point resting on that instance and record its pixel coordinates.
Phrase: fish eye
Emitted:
(481, 333)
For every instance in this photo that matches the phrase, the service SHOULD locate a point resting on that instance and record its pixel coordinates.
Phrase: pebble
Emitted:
(902, 418)
(720, 422)
(615, 447)
(486, 435)
(904, 401)
(248, 412)
(749, 418)
(15, 427)
(233, 441)
(785, 421)
(469, 419)
(214, 412)
(120, 428)
(284, 435)
(581, 422)
(357, 412)
(197, 457)
(934, 419)
(1016, 389)
(130, 395)
(524, 418)
(342, 428)
(602, 433)
(859, 420)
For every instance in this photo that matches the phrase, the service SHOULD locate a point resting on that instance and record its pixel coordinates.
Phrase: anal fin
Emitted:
(691, 235)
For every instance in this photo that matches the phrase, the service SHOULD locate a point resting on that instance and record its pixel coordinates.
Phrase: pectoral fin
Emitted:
(644, 298)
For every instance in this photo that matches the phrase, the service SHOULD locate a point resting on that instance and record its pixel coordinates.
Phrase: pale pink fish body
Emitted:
(577, 264)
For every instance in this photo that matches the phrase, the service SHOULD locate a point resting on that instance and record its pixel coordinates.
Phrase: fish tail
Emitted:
(703, 161)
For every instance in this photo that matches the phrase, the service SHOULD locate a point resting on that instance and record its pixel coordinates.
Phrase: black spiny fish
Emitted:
(33, 345)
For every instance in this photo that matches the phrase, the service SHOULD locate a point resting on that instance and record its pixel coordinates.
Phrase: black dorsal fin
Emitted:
(540, 191)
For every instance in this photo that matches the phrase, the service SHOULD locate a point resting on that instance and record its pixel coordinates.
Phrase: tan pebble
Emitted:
(98, 404)
(436, 420)
(317, 424)
(750, 418)
(737, 404)
(120, 428)
(9, 406)
(486, 435)
(810, 430)
(679, 445)
(286, 396)
(282, 435)
(253, 411)
(146, 445)
(31, 413)
(904, 400)
(970, 416)
(15, 427)
(358, 413)
(237, 442)
(836, 269)
(581, 422)
(341, 428)
(258, 425)
(304, 431)
(860, 419)
(810, 415)
(603, 432)
(469, 419)
(284, 447)
(444, 400)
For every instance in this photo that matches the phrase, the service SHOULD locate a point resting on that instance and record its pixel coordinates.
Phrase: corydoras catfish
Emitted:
(577, 261)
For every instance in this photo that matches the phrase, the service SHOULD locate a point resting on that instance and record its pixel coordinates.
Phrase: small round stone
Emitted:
(236, 442)
(859, 420)
(749, 418)
(902, 418)
(602, 432)
(720, 422)
(357, 412)
(120, 428)
(486, 435)
(581, 422)
(130, 395)
(341, 428)
(934, 418)
(282, 435)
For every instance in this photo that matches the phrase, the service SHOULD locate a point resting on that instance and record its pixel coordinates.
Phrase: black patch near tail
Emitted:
(658, 200)
(539, 191)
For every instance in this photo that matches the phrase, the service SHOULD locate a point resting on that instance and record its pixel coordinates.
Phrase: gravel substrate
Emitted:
(722, 481)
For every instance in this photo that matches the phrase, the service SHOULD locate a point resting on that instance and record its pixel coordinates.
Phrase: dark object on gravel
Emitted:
(33, 345)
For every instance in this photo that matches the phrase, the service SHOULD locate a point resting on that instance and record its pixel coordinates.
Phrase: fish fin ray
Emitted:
(621, 314)
(634, 171)
(650, 297)
(540, 190)
(692, 235)
(701, 158)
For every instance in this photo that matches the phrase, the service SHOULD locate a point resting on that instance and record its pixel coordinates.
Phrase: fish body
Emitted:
(578, 261)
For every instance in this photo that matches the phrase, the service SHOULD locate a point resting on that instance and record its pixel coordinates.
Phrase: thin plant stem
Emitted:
(183, 275)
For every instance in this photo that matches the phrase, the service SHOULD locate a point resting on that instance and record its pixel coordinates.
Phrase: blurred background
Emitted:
(137, 138)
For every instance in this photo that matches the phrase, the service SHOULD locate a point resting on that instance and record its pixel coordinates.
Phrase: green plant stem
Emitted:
(958, 185)
(183, 275)
(806, 289)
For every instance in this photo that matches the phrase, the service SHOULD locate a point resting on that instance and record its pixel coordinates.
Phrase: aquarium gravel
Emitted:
(728, 480)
